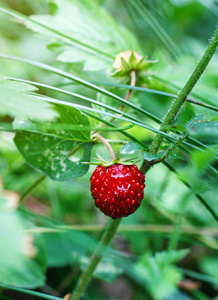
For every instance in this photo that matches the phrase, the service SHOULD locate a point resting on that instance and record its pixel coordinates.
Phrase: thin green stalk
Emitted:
(106, 106)
(132, 138)
(151, 228)
(79, 81)
(198, 196)
(170, 151)
(205, 105)
(29, 292)
(30, 189)
(147, 90)
(90, 100)
(156, 27)
(86, 108)
(178, 87)
(119, 85)
(177, 104)
(147, 164)
(95, 259)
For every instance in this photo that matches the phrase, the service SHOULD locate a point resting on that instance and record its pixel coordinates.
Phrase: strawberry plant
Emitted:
(97, 100)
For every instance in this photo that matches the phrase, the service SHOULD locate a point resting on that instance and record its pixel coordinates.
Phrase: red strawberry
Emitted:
(117, 189)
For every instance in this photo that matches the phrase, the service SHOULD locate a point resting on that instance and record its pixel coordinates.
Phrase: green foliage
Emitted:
(206, 131)
(66, 248)
(57, 228)
(73, 38)
(49, 151)
(22, 257)
(15, 101)
(51, 155)
(159, 273)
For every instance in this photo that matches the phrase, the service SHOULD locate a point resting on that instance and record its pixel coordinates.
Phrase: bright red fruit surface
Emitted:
(117, 189)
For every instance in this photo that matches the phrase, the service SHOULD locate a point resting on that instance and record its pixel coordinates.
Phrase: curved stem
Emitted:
(132, 83)
(178, 102)
(30, 189)
(95, 259)
(105, 142)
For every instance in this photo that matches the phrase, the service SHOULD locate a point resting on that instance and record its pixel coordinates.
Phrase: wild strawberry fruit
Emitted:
(118, 189)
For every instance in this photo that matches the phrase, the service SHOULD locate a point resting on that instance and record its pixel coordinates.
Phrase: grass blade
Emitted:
(86, 108)
(156, 27)
(198, 196)
(29, 292)
(80, 81)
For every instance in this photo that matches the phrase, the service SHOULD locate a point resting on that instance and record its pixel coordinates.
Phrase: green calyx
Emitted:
(128, 61)
(118, 160)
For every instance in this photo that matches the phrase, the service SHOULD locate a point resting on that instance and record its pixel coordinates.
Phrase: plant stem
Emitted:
(95, 259)
(133, 81)
(147, 164)
(177, 104)
(170, 151)
(214, 108)
(30, 189)
(147, 228)
(105, 142)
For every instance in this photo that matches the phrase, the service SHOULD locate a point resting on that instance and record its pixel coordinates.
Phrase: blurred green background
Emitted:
(175, 33)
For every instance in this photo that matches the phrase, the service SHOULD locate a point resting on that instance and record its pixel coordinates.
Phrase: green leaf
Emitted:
(185, 115)
(71, 124)
(15, 102)
(64, 248)
(72, 116)
(87, 33)
(133, 148)
(21, 260)
(205, 130)
(50, 155)
(149, 157)
(49, 149)
(90, 59)
(130, 148)
(160, 275)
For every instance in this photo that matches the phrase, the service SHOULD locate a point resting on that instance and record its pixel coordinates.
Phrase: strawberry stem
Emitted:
(95, 258)
(132, 83)
(178, 102)
(97, 136)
